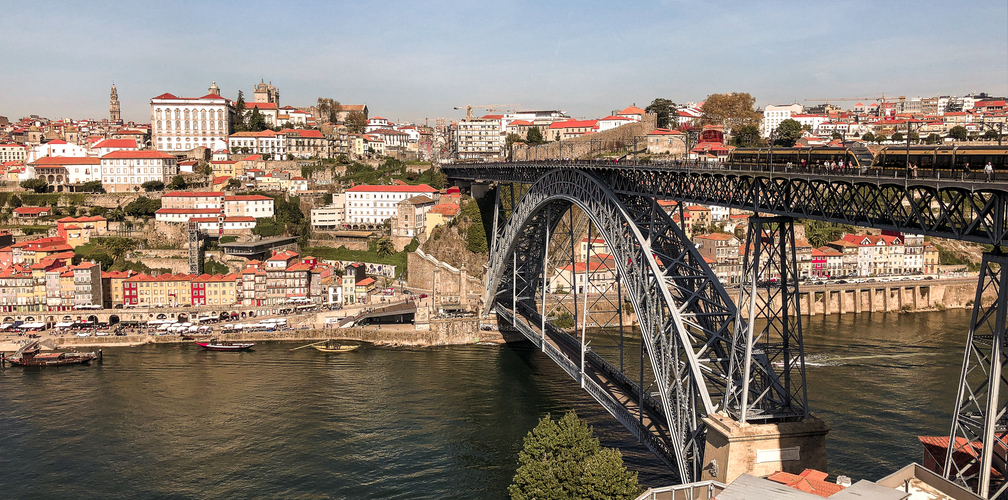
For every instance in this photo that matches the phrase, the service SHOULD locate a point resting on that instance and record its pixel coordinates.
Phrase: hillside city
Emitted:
(100, 213)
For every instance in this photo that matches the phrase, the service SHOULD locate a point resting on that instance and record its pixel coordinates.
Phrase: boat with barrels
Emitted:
(224, 345)
(31, 354)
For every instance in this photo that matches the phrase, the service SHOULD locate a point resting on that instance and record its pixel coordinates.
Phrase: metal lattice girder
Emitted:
(768, 366)
(979, 437)
(958, 210)
(683, 311)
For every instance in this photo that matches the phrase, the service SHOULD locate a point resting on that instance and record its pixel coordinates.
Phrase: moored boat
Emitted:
(30, 355)
(331, 346)
(224, 345)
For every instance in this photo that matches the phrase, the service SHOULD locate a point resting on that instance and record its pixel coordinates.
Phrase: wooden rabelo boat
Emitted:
(331, 346)
(30, 355)
(224, 345)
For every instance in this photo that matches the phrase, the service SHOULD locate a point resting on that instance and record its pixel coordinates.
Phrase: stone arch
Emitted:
(223, 316)
(50, 321)
(685, 316)
(162, 316)
(113, 319)
(8, 319)
(92, 319)
(182, 317)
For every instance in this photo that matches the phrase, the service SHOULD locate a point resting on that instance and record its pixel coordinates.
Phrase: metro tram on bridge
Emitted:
(938, 160)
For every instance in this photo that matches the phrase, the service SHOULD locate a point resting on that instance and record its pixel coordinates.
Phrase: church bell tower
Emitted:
(114, 115)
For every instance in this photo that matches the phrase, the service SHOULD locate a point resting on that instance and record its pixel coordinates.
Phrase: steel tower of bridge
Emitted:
(702, 363)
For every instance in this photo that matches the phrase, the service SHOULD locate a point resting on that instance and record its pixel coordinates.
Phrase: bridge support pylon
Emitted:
(766, 425)
(976, 456)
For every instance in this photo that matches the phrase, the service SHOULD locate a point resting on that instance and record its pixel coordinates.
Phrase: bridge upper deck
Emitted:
(938, 203)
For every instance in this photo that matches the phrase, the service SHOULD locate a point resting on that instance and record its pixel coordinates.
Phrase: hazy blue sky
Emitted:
(410, 61)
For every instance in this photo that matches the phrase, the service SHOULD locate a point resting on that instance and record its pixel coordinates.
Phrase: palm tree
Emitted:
(385, 248)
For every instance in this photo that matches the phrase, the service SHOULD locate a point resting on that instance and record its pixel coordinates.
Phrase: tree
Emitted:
(207, 171)
(355, 122)
(534, 136)
(239, 125)
(256, 121)
(990, 135)
(142, 207)
(746, 136)
(98, 211)
(152, 186)
(836, 135)
(898, 137)
(958, 133)
(787, 133)
(880, 138)
(563, 460)
(731, 110)
(177, 182)
(328, 109)
(914, 136)
(233, 183)
(92, 187)
(118, 247)
(665, 111)
(37, 185)
(868, 137)
(385, 248)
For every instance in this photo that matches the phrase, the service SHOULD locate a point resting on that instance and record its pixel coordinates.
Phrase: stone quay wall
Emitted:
(616, 139)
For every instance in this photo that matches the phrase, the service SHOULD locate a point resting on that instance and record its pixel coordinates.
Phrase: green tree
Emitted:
(534, 136)
(563, 460)
(868, 137)
(914, 137)
(37, 185)
(118, 247)
(14, 201)
(355, 122)
(836, 135)
(932, 138)
(239, 125)
(475, 235)
(256, 121)
(990, 135)
(233, 183)
(152, 186)
(880, 138)
(92, 187)
(898, 137)
(746, 136)
(958, 133)
(177, 182)
(788, 133)
(142, 207)
(730, 110)
(101, 211)
(385, 248)
(665, 111)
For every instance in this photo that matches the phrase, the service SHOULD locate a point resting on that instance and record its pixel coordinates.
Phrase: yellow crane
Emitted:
(828, 100)
(489, 107)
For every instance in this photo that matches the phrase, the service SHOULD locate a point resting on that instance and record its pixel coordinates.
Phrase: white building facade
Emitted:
(185, 123)
(774, 115)
(374, 204)
(121, 171)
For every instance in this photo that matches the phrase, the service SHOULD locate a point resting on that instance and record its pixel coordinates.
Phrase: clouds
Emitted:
(410, 60)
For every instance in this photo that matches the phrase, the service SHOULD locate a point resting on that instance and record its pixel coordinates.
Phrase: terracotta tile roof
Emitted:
(367, 188)
(31, 210)
(137, 154)
(247, 197)
(193, 194)
(632, 110)
(68, 160)
(117, 143)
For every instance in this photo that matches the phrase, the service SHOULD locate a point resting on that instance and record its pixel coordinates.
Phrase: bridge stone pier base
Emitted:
(733, 448)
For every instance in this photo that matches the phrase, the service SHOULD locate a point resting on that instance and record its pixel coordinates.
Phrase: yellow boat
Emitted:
(334, 347)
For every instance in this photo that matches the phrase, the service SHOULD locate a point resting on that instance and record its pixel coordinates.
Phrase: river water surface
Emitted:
(174, 421)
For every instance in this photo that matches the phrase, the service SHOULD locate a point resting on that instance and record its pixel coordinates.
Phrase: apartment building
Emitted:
(368, 204)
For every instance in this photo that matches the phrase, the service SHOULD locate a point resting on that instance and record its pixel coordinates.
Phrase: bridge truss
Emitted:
(703, 355)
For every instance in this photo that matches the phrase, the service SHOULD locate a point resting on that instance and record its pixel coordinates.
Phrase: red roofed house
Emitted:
(665, 141)
(173, 120)
(601, 276)
(31, 212)
(632, 112)
(78, 231)
(439, 214)
(809, 481)
(260, 143)
(561, 131)
(303, 143)
(126, 170)
(109, 145)
(64, 173)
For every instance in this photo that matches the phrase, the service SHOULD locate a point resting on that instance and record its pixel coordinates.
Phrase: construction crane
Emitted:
(489, 107)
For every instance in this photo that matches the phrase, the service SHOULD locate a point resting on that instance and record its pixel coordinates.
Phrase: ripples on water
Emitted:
(165, 421)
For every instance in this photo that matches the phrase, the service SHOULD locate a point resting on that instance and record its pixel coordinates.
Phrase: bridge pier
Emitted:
(978, 419)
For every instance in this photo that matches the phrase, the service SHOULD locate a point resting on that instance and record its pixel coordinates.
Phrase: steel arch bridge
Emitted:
(703, 353)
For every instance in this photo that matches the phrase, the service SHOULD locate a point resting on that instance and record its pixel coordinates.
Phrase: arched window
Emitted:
(178, 124)
(177, 115)
(187, 115)
(203, 114)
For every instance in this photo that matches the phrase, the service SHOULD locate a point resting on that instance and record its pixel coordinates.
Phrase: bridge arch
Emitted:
(684, 314)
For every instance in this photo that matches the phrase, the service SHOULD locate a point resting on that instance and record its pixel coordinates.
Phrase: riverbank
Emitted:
(457, 331)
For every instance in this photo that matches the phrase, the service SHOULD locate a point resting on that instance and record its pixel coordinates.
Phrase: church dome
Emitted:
(214, 89)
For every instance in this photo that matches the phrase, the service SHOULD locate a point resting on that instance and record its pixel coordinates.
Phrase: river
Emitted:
(173, 421)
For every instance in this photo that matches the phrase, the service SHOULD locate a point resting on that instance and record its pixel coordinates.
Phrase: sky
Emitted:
(410, 61)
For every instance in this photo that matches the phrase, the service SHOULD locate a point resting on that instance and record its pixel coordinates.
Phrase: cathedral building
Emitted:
(267, 93)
